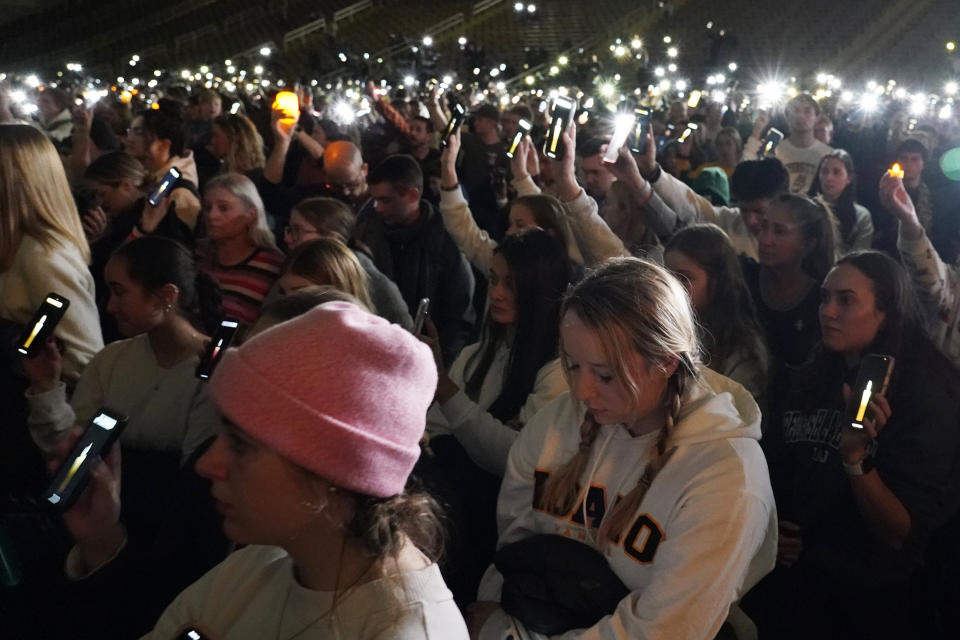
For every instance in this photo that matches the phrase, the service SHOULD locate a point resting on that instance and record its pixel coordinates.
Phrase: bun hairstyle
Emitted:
(635, 307)
(155, 261)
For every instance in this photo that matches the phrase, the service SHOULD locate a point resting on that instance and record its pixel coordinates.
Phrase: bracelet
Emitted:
(453, 188)
(653, 176)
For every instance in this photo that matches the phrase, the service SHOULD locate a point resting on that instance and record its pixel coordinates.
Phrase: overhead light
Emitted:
(265, 51)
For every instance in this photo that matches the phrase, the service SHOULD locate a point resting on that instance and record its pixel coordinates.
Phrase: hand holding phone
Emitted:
(219, 343)
(76, 467)
(422, 310)
(165, 186)
(872, 381)
(456, 119)
(774, 137)
(523, 129)
(42, 324)
(624, 125)
(564, 109)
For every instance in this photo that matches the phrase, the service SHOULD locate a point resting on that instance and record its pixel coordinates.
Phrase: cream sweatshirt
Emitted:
(705, 532)
(691, 207)
(486, 439)
(168, 408)
(38, 270)
(253, 595)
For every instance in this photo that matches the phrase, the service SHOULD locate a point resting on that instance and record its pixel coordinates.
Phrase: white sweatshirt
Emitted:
(706, 530)
(253, 595)
(938, 288)
(486, 439)
(801, 162)
(691, 207)
(169, 408)
(38, 270)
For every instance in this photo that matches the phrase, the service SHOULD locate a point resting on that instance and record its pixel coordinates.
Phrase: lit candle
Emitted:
(896, 171)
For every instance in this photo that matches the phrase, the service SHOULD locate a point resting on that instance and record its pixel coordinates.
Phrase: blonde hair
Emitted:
(35, 198)
(241, 187)
(636, 308)
(329, 261)
(245, 151)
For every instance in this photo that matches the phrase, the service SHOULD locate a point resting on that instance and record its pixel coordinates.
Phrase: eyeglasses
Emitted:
(351, 188)
(299, 232)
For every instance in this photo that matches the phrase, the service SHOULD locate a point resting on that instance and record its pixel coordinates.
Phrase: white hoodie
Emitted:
(705, 533)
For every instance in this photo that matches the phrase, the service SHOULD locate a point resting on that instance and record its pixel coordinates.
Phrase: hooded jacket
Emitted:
(705, 532)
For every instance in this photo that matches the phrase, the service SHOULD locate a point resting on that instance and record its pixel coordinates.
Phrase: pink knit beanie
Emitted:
(338, 391)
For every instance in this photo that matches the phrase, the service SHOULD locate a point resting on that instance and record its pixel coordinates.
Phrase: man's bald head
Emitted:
(345, 169)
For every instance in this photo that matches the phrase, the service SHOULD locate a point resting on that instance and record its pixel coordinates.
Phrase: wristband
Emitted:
(453, 188)
(652, 176)
(860, 468)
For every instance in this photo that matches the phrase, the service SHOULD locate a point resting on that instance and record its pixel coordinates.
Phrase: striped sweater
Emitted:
(243, 285)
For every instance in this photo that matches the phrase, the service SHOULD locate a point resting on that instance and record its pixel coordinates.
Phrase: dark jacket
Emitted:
(425, 262)
(915, 455)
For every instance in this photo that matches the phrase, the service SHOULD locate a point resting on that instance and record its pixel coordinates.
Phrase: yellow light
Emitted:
(951, 46)
(864, 401)
(288, 104)
(896, 171)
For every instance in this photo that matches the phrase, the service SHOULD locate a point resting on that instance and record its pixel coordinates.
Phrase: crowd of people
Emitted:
(625, 416)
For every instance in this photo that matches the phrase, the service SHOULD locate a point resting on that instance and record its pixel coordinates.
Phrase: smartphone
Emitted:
(523, 129)
(235, 108)
(694, 100)
(562, 114)
(687, 132)
(456, 119)
(623, 127)
(637, 142)
(74, 471)
(42, 324)
(872, 380)
(774, 137)
(164, 187)
(88, 200)
(222, 338)
(422, 310)
(667, 134)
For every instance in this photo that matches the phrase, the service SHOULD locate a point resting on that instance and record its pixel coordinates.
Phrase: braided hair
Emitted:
(635, 307)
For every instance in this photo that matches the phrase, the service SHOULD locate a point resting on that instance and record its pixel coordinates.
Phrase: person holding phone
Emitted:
(156, 138)
(42, 245)
(857, 505)
(650, 459)
(121, 186)
(526, 212)
(800, 151)
(497, 385)
(166, 310)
